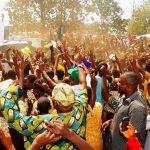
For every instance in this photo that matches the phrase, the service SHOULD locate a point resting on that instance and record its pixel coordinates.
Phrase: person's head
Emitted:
(116, 73)
(63, 98)
(43, 105)
(67, 80)
(60, 74)
(37, 88)
(29, 80)
(11, 75)
(99, 67)
(50, 74)
(147, 67)
(73, 75)
(128, 83)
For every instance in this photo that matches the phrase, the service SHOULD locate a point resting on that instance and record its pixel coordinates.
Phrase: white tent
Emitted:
(143, 36)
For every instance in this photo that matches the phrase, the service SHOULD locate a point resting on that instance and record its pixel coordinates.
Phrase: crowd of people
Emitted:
(85, 92)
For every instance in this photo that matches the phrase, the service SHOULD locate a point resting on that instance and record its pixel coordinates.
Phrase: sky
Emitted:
(126, 5)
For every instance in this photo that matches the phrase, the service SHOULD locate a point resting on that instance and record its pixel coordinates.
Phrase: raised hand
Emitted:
(24, 63)
(78, 58)
(6, 140)
(58, 128)
(43, 139)
(128, 133)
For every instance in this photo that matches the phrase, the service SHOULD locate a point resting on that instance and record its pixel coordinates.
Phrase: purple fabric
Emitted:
(87, 63)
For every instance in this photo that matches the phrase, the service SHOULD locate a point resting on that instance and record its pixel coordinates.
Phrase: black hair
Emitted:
(27, 69)
(89, 93)
(50, 74)
(31, 78)
(113, 86)
(116, 73)
(37, 85)
(43, 105)
(103, 63)
(20, 92)
(11, 74)
(60, 74)
(109, 78)
(147, 67)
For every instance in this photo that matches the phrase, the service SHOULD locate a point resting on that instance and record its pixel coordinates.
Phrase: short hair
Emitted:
(132, 79)
(31, 78)
(37, 85)
(103, 63)
(11, 75)
(109, 78)
(116, 73)
(50, 74)
(89, 93)
(60, 74)
(147, 67)
(43, 105)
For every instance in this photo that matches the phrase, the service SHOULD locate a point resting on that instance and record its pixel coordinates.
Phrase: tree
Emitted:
(140, 21)
(109, 13)
(41, 15)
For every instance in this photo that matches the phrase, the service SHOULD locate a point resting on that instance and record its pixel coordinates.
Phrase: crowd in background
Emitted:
(75, 93)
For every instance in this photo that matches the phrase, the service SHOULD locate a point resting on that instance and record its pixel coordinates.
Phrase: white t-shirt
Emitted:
(6, 67)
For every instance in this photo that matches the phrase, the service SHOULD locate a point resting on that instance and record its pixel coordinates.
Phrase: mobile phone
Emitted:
(125, 123)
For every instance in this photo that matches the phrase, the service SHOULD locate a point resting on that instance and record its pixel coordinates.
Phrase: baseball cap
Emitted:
(74, 73)
(63, 94)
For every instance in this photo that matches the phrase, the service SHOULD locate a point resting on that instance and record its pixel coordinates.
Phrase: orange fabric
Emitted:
(93, 127)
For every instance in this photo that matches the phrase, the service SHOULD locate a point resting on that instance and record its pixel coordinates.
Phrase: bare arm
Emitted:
(59, 128)
(82, 78)
(105, 90)
(51, 83)
(52, 55)
(93, 91)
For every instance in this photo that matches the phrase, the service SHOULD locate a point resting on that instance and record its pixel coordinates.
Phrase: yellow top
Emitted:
(93, 127)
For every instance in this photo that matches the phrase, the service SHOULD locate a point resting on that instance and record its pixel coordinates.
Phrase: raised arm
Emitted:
(82, 77)
(15, 62)
(93, 91)
(50, 82)
(52, 55)
(105, 90)
(119, 64)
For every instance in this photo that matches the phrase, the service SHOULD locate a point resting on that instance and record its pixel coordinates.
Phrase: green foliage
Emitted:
(109, 13)
(140, 22)
(64, 15)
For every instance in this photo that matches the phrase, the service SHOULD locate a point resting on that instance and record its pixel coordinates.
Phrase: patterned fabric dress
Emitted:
(31, 127)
